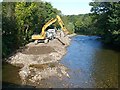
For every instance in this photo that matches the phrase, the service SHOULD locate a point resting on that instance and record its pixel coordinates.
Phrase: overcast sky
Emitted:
(69, 7)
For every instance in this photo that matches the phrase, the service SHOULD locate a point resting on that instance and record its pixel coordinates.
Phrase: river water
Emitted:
(90, 65)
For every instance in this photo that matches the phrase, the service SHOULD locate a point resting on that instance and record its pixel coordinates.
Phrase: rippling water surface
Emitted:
(90, 63)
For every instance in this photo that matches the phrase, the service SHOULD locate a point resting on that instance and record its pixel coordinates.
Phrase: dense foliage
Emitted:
(107, 21)
(83, 24)
(104, 21)
(19, 20)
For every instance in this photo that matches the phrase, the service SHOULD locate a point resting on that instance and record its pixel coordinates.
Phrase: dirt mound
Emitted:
(41, 61)
(36, 50)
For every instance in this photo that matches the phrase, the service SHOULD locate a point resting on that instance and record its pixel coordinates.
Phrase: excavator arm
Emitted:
(52, 21)
(47, 24)
(43, 34)
(62, 24)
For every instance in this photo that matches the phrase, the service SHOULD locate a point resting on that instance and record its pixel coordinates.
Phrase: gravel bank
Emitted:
(41, 61)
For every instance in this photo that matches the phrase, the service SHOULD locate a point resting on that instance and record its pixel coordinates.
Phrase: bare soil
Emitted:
(41, 61)
(36, 50)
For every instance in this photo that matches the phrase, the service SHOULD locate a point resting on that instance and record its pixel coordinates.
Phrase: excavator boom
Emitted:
(62, 24)
(47, 24)
(43, 33)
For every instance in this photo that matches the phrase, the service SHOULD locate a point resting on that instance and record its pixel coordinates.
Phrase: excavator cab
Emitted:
(51, 34)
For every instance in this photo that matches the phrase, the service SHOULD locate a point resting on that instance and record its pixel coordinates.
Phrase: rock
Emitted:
(24, 73)
(26, 58)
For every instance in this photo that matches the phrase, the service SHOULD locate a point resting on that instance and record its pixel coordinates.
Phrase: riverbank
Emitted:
(41, 61)
(85, 60)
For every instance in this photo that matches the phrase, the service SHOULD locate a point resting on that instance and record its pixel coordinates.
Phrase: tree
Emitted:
(82, 24)
(107, 20)
(9, 31)
(18, 17)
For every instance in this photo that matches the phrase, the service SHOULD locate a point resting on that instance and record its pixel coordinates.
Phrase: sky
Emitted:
(71, 7)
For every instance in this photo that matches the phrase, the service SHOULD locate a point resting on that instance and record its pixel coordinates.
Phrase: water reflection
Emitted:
(90, 64)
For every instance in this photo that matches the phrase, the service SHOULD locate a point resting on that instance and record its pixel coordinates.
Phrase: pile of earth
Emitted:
(41, 61)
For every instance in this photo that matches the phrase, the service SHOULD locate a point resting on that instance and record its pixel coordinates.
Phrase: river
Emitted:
(90, 65)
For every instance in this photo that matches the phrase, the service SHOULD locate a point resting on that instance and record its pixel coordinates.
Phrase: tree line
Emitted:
(21, 19)
(103, 21)
(106, 20)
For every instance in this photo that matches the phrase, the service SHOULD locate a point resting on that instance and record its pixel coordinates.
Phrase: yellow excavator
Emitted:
(43, 35)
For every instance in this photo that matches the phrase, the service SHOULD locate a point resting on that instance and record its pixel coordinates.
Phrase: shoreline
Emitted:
(39, 65)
